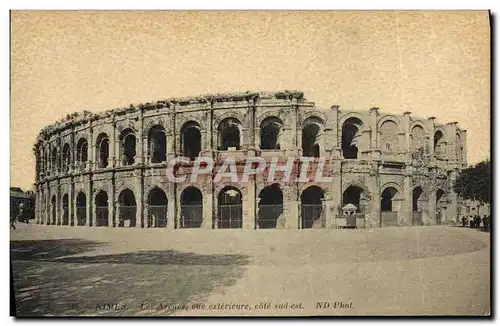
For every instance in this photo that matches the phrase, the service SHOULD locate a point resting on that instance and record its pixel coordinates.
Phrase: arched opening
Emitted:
(270, 207)
(388, 195)
(351, 133)
(417, 194)
(416, 206)
(311, 208)
(53, 160)
(230, 209)
(66, 158)
(157, 208)
(128, 143)
(81, 208)
(438, 143)
(82, 153)
(65, 210)
(127, 209)
(389, 137)
(102, 150)
(230, 136)
(101, 209)
(417, 139)
(191, 208)
(157, 144)
(352, 195)
(440, 206)
(191, 140)
(388, 208)
(310, 138)
(270, 133)
(53, 210)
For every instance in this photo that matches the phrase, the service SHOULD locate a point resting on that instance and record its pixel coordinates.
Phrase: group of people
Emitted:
(475, 222)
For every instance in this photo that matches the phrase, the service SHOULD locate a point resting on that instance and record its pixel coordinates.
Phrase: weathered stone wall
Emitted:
(394, 151)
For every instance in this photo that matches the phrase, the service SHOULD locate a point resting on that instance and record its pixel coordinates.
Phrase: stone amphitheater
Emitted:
(109, 169)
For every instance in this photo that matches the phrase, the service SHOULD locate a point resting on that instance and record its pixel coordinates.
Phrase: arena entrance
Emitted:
(353, 195)
(311, 208)
(101, 209)
(157, 208)
(65, 210)
(440, 206)
(191, 208)
(81, 209)
(230, 209)
(127, 211)
(388, 209)
(416, 207)
(270, 207)
(53, 210)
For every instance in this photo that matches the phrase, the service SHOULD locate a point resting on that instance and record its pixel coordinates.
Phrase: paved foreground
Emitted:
(65, 271)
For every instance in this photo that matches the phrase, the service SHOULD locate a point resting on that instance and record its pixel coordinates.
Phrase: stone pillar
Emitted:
(372, 216)
(464, 144)
(291, 207)
(112, 221)
(37, 205)
(374, 145)
(58, 204)
(89, 217)
(452, 211)
(147, 223)
(336, 195)
(139, 199)
(117, 148)
(333, 136)
(91, 150)
(431, 209)
(45, 206)
(294, 138)
(430, 134)
(405, 218)
(139, 159)
(112, 145)
(250, 216)
(208, 202)
(71, 206)
(171, 205)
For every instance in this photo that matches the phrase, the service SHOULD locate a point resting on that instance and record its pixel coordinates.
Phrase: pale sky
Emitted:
(429, 63)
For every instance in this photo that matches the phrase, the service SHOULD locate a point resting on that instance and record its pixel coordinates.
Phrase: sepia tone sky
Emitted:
(429, 63)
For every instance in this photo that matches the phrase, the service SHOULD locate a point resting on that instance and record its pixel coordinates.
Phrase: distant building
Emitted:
(27, 199)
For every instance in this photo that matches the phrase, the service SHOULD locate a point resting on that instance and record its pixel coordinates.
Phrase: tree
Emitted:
(474, 182)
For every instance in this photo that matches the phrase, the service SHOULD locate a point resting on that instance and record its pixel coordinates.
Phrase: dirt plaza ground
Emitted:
(67, 271)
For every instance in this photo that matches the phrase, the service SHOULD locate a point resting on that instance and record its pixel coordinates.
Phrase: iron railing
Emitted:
(229, 216)
(101, 216)
(388, 218)
(157, 216)
(312, 216)
(65, 216)
(191, 216)
(267, 216)
(416, 218)
(127, 216)
(81, 215)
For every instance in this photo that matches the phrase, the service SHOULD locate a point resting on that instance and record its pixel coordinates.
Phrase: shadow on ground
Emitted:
(48, 282)
(50, 249)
